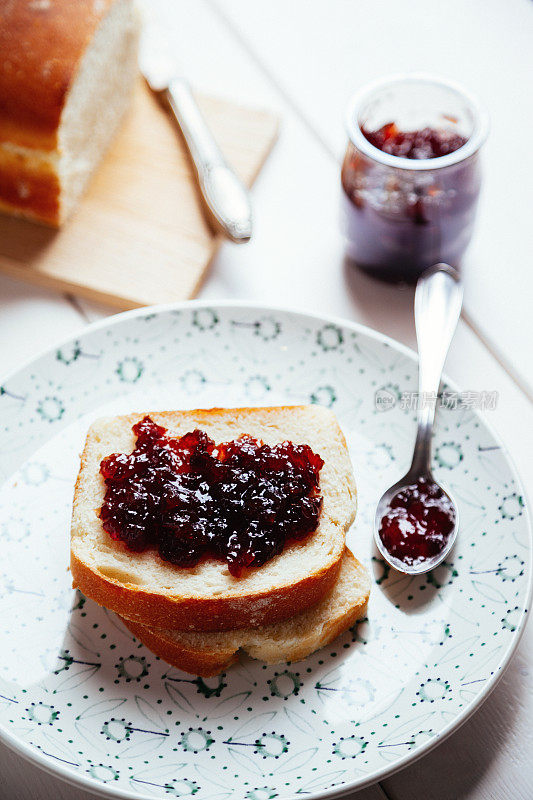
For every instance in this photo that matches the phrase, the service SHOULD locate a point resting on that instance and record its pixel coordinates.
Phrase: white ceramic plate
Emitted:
(83, 699)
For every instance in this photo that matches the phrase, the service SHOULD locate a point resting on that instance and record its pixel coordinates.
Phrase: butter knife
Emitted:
(226, 199)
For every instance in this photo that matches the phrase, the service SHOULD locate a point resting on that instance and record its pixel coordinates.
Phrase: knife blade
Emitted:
(226, 198)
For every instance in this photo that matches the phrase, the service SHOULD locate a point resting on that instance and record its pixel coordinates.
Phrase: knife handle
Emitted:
(225, 196)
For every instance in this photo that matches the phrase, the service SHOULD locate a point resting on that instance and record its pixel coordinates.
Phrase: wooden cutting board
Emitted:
(139, 235)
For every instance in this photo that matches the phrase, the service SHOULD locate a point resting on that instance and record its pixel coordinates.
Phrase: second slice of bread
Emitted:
(291, 640)
(152, 592)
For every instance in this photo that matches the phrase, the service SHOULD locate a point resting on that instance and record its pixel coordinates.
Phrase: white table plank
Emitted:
(21, 780)
(322, 52)
(31, 320)
(284, 264)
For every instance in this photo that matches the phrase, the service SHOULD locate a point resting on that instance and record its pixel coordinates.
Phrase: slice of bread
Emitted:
(208, 654)
(152, 592)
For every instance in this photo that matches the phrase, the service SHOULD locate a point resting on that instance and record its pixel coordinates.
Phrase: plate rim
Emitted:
(107, 790)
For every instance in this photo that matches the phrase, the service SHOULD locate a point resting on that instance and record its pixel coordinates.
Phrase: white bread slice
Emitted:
(208, 654)
(153, 592)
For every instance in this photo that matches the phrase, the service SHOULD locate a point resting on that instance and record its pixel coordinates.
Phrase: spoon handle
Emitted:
(438, 301)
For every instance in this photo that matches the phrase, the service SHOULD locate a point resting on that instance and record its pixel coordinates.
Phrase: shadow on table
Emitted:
(22, 780)
(24, 241)
(457, 769)
(385, 306)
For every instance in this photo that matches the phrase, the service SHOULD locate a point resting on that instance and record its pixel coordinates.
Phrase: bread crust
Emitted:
(236, 608)
(205, 663)
(208, 661)
(29, 188)
(202, 614)
(41, 44)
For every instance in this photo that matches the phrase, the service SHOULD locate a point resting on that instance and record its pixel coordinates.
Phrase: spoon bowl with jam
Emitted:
(416, 520)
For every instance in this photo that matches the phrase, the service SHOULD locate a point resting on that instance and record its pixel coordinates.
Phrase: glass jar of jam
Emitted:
(411, 175)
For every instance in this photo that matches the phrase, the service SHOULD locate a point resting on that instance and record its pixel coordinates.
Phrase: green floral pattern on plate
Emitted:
(78, 692)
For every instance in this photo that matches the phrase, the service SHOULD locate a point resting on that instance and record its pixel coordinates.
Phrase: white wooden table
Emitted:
(304, 58)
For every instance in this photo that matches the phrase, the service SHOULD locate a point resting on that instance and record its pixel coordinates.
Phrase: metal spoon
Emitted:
(438, 301)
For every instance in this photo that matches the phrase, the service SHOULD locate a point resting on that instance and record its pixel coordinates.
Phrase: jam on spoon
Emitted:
(239, 502)
(418, 523)
(416, 520)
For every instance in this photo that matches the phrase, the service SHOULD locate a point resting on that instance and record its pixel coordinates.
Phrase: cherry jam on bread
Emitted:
(239, 502)
(418, 523)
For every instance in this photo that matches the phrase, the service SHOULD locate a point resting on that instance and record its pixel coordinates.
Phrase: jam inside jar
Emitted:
(411, 176)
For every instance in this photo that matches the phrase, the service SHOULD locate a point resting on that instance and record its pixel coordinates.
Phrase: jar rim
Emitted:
(471, 146)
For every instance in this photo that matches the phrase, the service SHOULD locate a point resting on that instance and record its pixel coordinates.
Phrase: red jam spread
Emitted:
(425, 143)
(418, 523)
(239, 502)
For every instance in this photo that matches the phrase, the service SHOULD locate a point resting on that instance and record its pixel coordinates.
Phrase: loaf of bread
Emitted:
(291, 640)
(143, 588)
(67, 70)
